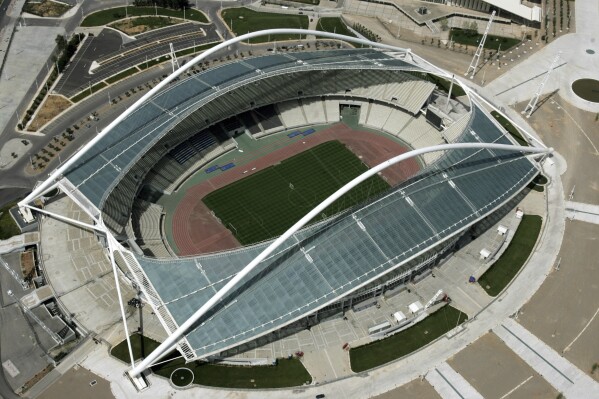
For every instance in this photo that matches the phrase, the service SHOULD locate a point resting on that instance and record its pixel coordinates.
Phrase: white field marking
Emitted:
(579, 128)
(516, 387)
(567, 348)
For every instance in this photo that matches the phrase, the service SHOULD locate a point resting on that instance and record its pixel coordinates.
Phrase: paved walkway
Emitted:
(559, 372)
(579, 59)
(450, 384)
(18, 242)
(585, 212)
(26, 60)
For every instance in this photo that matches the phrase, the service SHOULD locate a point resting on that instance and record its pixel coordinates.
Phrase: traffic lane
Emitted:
(123, 64)
(75, 74)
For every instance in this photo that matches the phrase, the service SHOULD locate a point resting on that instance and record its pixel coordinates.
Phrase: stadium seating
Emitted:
(364, 111)
(396, 121)
(291, 114)
(332, 111)
(268, 119)
(314, 111)
(378, 115)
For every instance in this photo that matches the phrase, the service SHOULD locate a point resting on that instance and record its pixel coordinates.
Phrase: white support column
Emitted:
(174, 61)
(111, 249)
(183, 328)
(65, 219)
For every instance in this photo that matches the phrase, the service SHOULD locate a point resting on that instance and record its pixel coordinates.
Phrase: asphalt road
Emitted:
(77, 78)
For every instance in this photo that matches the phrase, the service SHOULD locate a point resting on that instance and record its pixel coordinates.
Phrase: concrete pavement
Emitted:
(559, 372)
(450, 384)
(580, 211)
(579, 59)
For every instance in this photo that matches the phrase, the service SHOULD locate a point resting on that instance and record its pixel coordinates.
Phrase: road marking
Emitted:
(567, 348)
(516, 387)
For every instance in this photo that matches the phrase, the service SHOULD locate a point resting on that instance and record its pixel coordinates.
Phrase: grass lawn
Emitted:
(459, 35)
(287, 372)
(195, 50)
(105, 17)
(122, 75)
(376, 353)
(511, 129)
(507, 266)
(266, 204)
(83, 94)
(243, 20)
(8, 227)
(334, 25)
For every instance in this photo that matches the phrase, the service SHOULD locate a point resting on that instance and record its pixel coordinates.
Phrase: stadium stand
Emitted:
(364, 111)
(250, 123)
(378, 115)
(396, 121)
(268, 118)
(332, 110)
(314, 111)
(291, 114)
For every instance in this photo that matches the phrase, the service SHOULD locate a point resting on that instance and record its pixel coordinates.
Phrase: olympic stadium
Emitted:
(454, 166)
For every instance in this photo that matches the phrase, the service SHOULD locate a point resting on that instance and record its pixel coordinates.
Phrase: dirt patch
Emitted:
(135, 26)
(51, 108)
(28, 264)
(196, 230)
(46, 8)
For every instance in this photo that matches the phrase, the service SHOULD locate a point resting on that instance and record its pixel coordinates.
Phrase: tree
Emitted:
(444, 24)
(61, 42)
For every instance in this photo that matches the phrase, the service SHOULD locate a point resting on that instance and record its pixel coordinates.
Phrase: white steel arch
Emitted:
(174, 337)
(60, 171)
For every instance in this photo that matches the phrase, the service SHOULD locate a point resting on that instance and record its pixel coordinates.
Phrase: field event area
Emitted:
(266, 204)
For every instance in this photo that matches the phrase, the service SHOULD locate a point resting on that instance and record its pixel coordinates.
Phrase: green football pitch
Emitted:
(266, 204)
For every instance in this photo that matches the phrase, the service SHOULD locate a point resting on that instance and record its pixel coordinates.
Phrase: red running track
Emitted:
(196, 230)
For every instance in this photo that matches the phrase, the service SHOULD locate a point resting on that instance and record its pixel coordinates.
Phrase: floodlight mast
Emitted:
(176, 335)
(57, 174)
(479, 50)
(532, 104)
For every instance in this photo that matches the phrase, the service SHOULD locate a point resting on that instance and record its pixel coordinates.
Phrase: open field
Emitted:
(267, 203)
(286, 373)
(243, 20)
(105, 17)
(495, 371)
(333, 25)
(377, 353)
(507, 266)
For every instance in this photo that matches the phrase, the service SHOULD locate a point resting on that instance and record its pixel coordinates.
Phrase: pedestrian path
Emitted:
(559, 372)
(585, 212)
(450, 384)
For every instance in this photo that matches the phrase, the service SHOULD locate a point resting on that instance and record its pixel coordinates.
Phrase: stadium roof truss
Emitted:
(210, 303)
